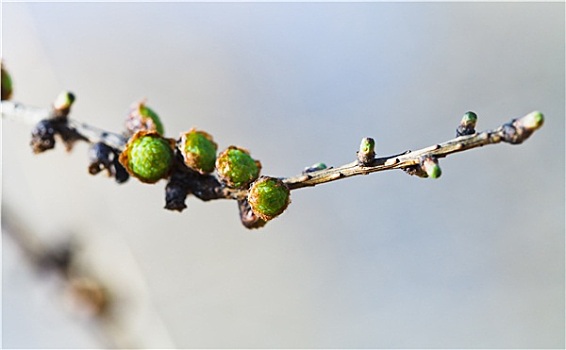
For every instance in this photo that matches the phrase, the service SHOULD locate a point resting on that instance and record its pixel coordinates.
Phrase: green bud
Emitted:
(64, 101)
(467, 124)
(236, 167)
(315, 167)
(367, 150)
(199, 151)
(7, 87)
(531, 121)
(268, 197)
(148, 156)
(367, 145)
(469, 120)
(431, 167)
(144, 118)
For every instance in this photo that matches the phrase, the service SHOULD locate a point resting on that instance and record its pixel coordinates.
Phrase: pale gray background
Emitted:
(474, 259)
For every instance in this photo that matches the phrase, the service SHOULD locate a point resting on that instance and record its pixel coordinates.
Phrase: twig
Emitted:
(184, 181)
(32, 115)
(88, 293)
(81, 286)
(514, 132)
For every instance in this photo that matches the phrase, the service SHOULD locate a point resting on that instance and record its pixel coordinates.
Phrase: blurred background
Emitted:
(472, 260)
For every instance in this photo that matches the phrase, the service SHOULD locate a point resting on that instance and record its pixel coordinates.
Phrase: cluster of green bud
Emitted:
(143, 118)
(148, 156)
(7, 87)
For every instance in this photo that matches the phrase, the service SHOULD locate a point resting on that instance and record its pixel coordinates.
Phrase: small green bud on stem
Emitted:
(198, 150)
(148, 156)
(366, 154)
(236, 167)
(63, 102)
(144, 118)
(314, 167)
(268, 197)
(467, 124)
(431, 167)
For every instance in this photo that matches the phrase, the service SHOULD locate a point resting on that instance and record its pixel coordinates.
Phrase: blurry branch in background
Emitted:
(191, 165)
(88, 295)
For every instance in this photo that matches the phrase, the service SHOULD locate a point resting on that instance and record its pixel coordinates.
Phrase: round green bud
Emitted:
(7, 87)
(431, 167)
(199, 150)
(64, 101)
(148, 156)
(236, 167)
(467, 124)
(469, 120)
(144, 118)
(268, 197)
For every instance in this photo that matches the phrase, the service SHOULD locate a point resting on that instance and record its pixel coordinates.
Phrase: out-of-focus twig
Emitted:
(88, 294)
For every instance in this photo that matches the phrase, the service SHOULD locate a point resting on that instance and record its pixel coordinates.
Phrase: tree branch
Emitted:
(32, 115)
(183, 181)
(515, 132)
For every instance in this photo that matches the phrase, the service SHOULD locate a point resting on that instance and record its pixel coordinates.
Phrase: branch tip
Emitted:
(520, 129)
(531, 121)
